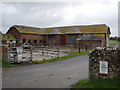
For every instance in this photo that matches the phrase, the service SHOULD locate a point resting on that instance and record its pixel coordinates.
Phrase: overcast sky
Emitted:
(47, 14)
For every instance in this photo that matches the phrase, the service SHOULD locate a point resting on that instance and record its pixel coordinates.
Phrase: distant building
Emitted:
(67, 35)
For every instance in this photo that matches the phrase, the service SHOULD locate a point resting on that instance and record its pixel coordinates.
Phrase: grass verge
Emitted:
(6, 64)
(114, 42)
(74, 54)
(98, 83)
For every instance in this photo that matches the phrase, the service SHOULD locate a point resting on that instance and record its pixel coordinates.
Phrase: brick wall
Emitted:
(58, 39)
(90, 44)
(63, 39)
(31, 38)
(14, 32)
(109, 55)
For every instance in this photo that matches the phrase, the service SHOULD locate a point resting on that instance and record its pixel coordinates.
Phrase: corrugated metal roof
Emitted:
(55, 31)
(89, 37)
(102, 28)
(74, 30)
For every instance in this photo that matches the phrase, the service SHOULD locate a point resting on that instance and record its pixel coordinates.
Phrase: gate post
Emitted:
(31, 54)
(8, 53)
(58, 51)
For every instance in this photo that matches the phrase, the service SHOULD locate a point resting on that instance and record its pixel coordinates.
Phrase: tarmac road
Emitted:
(61, 74)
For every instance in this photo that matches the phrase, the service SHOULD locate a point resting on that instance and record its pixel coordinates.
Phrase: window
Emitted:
(11, 40)
(17, 41)
(29, 41)
(40, 41)
(24, 40)
(35, 41)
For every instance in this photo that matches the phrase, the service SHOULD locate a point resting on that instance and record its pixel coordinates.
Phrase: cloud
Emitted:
(47, 14)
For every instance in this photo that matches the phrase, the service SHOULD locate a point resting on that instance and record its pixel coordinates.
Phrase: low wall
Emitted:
(104, 63)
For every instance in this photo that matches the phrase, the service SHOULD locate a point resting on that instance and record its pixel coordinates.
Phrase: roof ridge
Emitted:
(98, 28)
(26, 26)
(60, 26)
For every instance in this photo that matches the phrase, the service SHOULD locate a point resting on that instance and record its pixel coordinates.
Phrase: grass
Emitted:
(66, 52)
(97, 83)
(74, 54)
(114, 42)
(6, 64)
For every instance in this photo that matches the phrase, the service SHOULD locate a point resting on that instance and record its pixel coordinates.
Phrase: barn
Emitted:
(66, 35)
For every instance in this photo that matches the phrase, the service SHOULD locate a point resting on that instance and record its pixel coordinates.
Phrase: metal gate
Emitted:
(19, 54)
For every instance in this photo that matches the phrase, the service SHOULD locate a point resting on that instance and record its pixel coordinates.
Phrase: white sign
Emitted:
(104, 67)
(19, 49)
(19, 57)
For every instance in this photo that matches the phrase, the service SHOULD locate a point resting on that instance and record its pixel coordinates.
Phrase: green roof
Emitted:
(31, 30)
(101, 28)
(6, 37)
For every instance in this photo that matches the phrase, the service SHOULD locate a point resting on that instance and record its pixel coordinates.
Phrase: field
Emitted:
(114, 43)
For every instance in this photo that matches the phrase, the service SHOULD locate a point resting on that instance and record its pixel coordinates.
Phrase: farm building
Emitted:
(67, 35)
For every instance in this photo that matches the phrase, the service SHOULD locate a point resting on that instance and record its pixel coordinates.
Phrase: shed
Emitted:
(90, 41)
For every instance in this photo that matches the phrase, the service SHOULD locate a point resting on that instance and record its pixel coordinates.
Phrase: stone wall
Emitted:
(111, 56)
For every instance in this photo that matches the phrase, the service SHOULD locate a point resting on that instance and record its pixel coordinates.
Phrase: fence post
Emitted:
(42, 50)
(58, 52)
(8, 53)
(47, 50)
(86, 48)
(31, 54)
(79, 49)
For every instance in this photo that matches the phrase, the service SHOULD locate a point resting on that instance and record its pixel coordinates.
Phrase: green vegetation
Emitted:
(97, 83)
(66, 52)
(6, 64)
(74, 54)
(114, 42)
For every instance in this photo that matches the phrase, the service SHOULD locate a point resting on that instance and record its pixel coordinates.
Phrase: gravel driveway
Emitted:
(59, 74)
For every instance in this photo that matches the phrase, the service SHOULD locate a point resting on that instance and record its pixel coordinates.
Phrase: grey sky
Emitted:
(47, 14)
